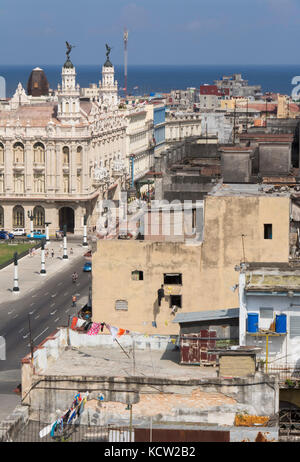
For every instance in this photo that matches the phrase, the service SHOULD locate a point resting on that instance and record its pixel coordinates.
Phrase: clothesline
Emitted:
(95, 327)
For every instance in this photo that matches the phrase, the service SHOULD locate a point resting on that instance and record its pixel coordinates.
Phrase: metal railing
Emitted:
(30, 432)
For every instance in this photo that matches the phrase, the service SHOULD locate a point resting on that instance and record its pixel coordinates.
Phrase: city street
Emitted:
(49, 305)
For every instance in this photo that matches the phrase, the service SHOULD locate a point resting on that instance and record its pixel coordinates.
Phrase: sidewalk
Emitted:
(29, 269)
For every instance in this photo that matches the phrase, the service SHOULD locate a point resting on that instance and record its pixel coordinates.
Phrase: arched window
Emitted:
(39, 153)
(18, 153)
(66, 155)
(1, 154)
(18, 217)
(38, 216)
(79, 155)
(1, 217)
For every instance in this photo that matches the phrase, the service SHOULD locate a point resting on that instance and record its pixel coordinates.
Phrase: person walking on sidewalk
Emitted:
(74, 299)
(52, 253)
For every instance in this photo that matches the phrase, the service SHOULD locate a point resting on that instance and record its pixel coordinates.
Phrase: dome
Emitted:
(37, 84)
(68, 64)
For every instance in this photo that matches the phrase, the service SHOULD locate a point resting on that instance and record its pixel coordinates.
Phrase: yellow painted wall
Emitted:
(207, 270)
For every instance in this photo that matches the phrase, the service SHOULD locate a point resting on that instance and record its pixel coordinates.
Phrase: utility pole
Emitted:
(243, 245)
(125, 38)
(247, 116)
(234, 121)
(30, 337)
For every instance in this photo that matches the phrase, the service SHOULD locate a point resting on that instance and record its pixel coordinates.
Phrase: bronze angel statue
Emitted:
(108, 50)
(69, 48)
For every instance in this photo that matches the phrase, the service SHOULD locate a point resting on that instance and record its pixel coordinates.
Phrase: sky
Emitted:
(179, 32)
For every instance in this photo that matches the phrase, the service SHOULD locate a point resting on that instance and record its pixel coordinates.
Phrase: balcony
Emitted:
(38, 166)
(18, 166)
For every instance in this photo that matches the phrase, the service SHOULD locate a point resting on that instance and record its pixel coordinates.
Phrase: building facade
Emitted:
(61, 155)
(196, 275)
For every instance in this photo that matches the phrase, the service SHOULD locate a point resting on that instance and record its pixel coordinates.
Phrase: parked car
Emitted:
(37, 235)
(19, 232)
(87, 266)
(6, 235)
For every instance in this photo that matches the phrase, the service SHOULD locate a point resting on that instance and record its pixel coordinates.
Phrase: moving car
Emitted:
(6, 235)
(87, 266)
(37, 235)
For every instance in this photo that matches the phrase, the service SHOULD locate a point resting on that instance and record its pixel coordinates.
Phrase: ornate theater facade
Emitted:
(59, 154)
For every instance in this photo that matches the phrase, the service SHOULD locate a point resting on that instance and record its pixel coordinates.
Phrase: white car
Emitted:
(19, 232)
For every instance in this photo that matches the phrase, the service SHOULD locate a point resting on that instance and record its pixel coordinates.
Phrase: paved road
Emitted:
(49, 307)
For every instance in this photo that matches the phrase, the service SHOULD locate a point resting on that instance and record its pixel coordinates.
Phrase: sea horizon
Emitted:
(146, 78)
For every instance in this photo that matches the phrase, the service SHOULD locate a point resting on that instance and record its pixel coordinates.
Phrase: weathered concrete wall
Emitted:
(166, 400)
(274, 159)
(236, 167)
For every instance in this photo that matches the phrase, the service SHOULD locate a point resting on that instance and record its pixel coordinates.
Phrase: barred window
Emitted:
(121, 305)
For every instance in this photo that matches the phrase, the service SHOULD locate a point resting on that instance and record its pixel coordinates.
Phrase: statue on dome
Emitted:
(107, 62)
(108, 50)
(69, 48)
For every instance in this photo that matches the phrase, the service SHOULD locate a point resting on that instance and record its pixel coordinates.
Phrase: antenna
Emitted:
(125, 38)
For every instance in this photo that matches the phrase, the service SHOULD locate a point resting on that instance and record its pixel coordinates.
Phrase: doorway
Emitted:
(66, 217)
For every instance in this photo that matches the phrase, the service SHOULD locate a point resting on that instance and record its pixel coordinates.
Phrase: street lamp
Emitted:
(47, 223)
(16, 280)
(84, 231)
(65, 255)
(31, 216)
(43, 270)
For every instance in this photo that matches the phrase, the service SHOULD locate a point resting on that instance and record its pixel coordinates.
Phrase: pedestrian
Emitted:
(71, 251)
(52, 253)
(74, 299)
(47, 253)
(160, 294)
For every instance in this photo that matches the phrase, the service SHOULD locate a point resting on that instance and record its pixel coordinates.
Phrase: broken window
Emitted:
(173, 278)
(267, 231)
(137, 275)
(121, 305)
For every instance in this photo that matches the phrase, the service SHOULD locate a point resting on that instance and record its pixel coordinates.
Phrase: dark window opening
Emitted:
(137, 275)
(267, 231)
(173, 278)
(175, 300)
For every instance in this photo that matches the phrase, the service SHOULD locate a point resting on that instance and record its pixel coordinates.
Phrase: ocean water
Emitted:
(154, 78)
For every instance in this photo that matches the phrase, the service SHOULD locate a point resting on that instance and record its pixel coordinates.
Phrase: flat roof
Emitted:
(111, 361)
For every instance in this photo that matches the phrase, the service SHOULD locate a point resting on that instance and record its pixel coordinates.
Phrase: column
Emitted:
(8, 167)
(28, 162)
(85, 169)
(73, 170)
(59, 170)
